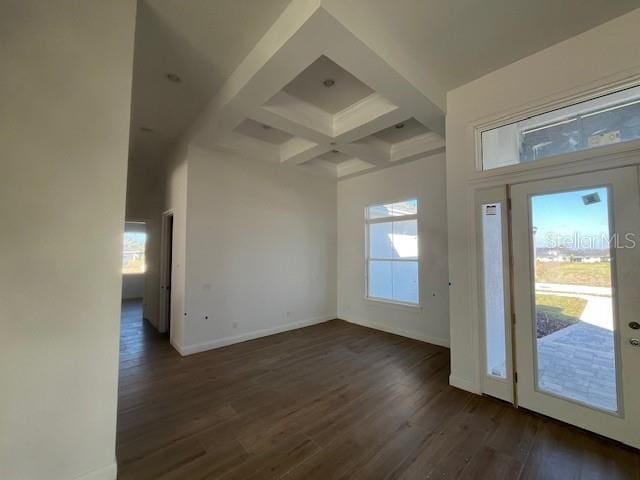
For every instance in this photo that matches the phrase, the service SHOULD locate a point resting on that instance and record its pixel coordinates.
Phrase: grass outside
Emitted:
(555, 312)
(574, 273)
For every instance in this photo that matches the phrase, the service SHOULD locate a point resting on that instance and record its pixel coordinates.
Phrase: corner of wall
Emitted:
(108, 472)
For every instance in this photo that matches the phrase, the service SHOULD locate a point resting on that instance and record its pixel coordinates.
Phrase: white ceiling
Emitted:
(282, 85)
(334, 157)
(263, 132)
(460, 40)
(309, 86)
(202, 41)
(448, 42)
(402, 131)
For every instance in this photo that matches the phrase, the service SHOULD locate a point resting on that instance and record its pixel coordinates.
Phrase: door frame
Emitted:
(503, 389)
(166, 272)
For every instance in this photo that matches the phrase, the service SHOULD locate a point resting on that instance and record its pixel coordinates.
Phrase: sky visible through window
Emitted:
(577, 220)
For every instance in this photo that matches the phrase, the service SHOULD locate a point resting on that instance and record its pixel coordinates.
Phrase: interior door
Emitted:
(576, 292)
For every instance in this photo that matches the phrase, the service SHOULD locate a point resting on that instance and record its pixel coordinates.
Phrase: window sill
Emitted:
(393, 304)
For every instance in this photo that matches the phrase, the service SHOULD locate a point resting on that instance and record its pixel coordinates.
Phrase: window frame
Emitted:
(144, 253)
(367, 258)
(541, 107)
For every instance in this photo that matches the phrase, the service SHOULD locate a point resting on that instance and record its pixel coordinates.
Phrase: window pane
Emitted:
(398, 209)
(380, 211)
(493, 276)
(405, 281)
(133, 252)
(380, 240)
(410, 207)
(609, 119)
(405, 239)
(380, 285)
(573, 314)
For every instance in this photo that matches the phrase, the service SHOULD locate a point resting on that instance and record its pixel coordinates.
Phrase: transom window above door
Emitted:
(605, 120)
(392, 262)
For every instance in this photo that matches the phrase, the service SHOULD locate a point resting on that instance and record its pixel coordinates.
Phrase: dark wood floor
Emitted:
(331, 401)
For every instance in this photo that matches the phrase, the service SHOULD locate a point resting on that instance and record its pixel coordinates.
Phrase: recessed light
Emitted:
(335, 151)
(332, 143)
(146, 129)
(400, 125)
(266, 127)
(329, 82)
(174, 77)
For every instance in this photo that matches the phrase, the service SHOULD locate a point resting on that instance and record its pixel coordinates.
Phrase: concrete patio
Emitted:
(578, 362)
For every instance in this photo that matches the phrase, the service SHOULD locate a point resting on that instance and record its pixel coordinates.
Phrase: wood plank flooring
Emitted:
(331, 401)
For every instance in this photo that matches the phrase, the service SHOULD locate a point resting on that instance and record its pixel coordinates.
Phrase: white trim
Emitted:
(352, 166)
(225, 341)
(498, 387)
(541, 107)
(557, 101)
(416, 147)
(367, 258)
(600, 158)
(108, 472)
(392, 303)
(463, 384)
(365, 117)
(441, 342)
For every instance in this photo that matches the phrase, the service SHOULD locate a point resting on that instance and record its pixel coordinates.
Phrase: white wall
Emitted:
(425, 180)
(260, 252)
(133, 286)
(175, 199)
(608, 53)
(65, 95)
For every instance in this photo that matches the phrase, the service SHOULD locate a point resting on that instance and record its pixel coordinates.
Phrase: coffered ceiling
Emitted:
(312, 96)
(251, 73)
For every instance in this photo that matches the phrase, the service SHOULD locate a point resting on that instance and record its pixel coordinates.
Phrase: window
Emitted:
(493, 283)
(392, 252)
(613, 118)
(133, 252)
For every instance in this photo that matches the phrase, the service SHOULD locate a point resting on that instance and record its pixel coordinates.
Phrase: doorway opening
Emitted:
(166, 273)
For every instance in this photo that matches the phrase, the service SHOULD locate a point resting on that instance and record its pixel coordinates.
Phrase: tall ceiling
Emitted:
(450, 41)
(202, 41)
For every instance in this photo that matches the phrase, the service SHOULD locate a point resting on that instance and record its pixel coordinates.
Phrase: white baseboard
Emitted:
(109, 472)
(223, 342)
(177, 347)
(397, 331)
(463, 384)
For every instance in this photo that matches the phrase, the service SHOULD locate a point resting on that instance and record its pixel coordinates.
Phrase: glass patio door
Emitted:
(576, 290)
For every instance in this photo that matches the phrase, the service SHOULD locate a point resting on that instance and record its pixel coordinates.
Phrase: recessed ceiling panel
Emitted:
(333, 157)
(327, 86)
(266, 133)
(402, 131)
